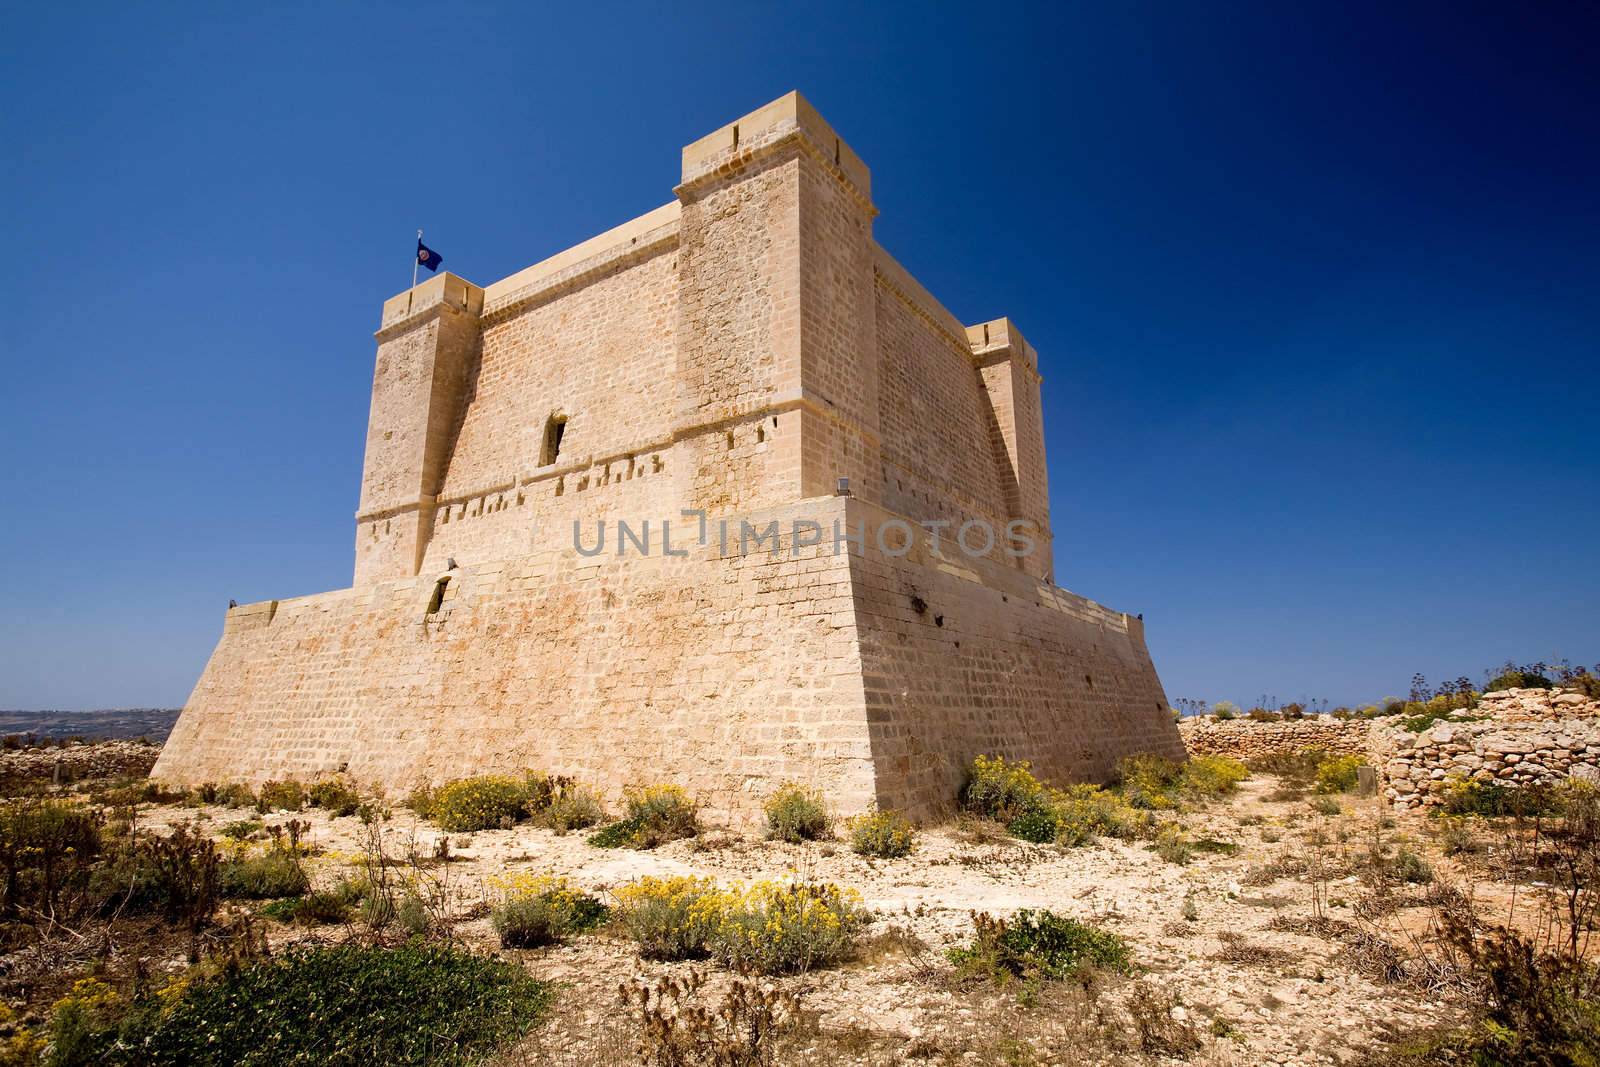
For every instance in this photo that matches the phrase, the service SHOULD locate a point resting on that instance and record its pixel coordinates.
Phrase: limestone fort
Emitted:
(745, 353)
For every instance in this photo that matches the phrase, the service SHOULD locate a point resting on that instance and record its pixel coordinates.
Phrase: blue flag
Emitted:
(427, 257)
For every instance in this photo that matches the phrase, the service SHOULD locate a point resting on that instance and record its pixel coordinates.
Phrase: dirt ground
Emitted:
(1234, 955)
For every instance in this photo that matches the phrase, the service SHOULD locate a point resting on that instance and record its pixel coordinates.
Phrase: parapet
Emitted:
(765, 125)
(1000, 338)
(449, 290)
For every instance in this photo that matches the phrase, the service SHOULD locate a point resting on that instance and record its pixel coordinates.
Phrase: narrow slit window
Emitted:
(554, 429)
(436, 601)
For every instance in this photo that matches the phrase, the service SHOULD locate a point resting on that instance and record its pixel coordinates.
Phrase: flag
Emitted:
(427, 257)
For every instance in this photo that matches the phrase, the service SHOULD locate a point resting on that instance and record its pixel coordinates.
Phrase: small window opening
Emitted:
(730, 440)
(436, 601)
(553, 432)
(1088, 681)
(761, 435)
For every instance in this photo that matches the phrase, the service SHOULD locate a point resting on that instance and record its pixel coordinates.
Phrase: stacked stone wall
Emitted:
(1527, 737)
(1246, 739)
(1513, 738)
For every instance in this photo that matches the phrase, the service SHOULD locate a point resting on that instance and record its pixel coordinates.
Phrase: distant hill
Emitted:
(154, 723)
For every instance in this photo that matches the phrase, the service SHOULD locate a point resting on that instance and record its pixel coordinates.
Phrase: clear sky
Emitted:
(1315, 287)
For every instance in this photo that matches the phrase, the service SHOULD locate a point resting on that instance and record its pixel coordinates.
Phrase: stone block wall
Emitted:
(1532, 736)
(1246, 739)
(1519, 737)
(874, 678)
(962, 657)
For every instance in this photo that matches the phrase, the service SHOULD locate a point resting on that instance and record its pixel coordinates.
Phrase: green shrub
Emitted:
(1455, 838)
(47, 850)
(1009, 793)
(1001, 791)
(287, 795)
(538, 789)
(1225, 710)
(412, 915)
(1040, 825)
(543, 911)
(241, 829)
(670, 918)
(1156, 783)
(769, 927)
(378, 910)
(796, 814)
(664, 813)
(1172, 846)
(1210, 777)
(1411, 868)
(1326, 805)
(572, 808)
(234, 795)
(885, 834)
(1514, 677)
(310, 910)
(1038, 944)
(1468, 796)
(421, 801)
(1084, 812)
(274, 873)
(619, 834)
(482, 803)
(787, 928)
(1339, 774)
(178, 875)
(83, 1022)
(1150, 782)
(335, 795)
(419, 1004)
(656, 815)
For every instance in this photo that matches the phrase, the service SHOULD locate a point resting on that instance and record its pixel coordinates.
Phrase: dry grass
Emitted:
(1239, 950)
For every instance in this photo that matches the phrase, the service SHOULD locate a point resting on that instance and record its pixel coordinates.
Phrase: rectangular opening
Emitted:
(554, 429)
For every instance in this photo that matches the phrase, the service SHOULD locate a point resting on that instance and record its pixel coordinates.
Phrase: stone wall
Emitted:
(77, 760)
(1515, 737)
(1531, 736)
(873, 678)
(1246, 739)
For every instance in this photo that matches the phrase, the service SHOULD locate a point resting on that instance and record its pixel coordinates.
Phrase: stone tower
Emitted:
(721, 496)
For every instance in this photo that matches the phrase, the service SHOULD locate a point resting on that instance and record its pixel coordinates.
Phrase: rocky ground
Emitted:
(1270, 946)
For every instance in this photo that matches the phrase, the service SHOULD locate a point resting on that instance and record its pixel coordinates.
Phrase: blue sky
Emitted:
(1314, 287)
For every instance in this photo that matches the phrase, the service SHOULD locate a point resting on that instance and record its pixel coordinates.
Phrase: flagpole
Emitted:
(411, 292)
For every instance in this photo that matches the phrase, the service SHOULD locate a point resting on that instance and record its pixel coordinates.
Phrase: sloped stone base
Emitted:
(873, 677)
